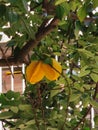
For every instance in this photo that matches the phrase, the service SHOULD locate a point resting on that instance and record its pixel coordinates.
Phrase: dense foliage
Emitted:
(45, 29)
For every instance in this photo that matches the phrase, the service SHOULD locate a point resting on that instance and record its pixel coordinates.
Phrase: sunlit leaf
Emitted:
(94, 103)
(85, 103)
(55, 91)
(30, 122)
(6, 115)
(94, 77)
(24, 107)
(14, 109)
(59, 2)
(86, 52)
(74, 97)
(82, 13)
(95, 3)
(84, 71)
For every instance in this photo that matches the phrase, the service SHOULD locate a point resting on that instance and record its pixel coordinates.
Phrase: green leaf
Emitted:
(29, 128)
(81, 42)
(59, 2)
(94, 77)
(57, 53)
(85, 102)
(22, 126)
(55, 91)
(74, 97)
(49, 128)
(95, 3)
(25, 5)
(87, 86)
(24, 107)
(95, 70)
(2, 10)
(86, 128)
(96, 120)
(10, 98)
(12, 16)
(78, 87)
(94, 103)
(30, 122)
(66, 7)
(12, 1)
(60, 11)
(86, 52)
(74, 4)
(6, 115)
(84, 71)
(82, 13)
(11, 43)
(27, 27)
(77, 29)
(12, 95)
(14, 109)
(48, 61)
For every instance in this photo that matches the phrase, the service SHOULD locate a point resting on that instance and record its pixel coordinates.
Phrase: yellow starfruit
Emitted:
(52, 72)
(37, 70)
(34, 72)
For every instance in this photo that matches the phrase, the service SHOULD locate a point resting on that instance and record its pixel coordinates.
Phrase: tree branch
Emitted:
(38, 37)
(20, 58)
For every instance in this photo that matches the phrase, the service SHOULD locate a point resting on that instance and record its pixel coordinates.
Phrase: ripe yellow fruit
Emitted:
(49, 71)
(52, 72)
(34, 73)
(37, 70)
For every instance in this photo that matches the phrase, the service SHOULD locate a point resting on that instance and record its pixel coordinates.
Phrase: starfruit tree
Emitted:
(58, 42)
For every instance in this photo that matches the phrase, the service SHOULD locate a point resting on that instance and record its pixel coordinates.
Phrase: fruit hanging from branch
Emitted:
(37, 70)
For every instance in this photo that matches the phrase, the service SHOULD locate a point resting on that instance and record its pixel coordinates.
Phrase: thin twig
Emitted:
(42, 109)
(6, 61)
(34, 111)
(66, 110)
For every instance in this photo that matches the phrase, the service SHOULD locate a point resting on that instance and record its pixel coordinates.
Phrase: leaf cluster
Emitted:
(65, 103)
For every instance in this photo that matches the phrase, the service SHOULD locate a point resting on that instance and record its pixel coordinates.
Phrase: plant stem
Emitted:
(66, 110)
(42, 109)
(34, 111)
